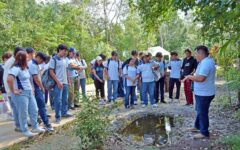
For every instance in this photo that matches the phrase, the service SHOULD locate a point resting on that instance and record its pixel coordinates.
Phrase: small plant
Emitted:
(223, 101)
(233, 142)
(91, 125)
(237, 115)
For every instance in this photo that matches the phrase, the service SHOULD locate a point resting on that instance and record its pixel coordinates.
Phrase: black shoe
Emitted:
(76, 106)
(49, 128)
(163, 102)
(72, 108)
(67, 116)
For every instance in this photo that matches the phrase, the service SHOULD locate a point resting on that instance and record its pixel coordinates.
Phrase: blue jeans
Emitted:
(15, 113)
(26, 106)
(148, 88)
(130, 91)
(112, 89)
(60, 99)
(41, 105)
(202, 108)
(83, 86)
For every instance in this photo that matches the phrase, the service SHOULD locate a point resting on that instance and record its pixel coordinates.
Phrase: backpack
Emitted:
(47, 80)
(109, 62)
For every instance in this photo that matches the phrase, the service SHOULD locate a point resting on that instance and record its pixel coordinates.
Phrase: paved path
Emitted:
(9, 137)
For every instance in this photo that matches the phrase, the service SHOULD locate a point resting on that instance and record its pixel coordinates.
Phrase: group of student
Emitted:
(22, 77)
(21, 80)
(142, 73)
(146, 74)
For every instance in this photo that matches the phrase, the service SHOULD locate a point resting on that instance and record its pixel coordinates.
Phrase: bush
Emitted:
(233, 142)
(91, 125)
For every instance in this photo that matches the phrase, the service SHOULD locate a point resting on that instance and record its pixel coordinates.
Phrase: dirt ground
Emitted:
(222, 123)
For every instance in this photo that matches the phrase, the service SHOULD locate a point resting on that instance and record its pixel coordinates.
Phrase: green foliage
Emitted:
(91, 125)
(233, 142)
(237, 115)
(223, 101)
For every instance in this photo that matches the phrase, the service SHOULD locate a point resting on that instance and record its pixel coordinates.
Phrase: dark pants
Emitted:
(202, 108)
(130, 91)
(46, 96)
(159, 86)
(188, 91)
(172, 82)
(99, 86)
(121, 87)
(41, 105)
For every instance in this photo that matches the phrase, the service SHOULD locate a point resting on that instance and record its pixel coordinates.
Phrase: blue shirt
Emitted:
(175, 66)
(146, 72)
(130, 71)
(113, 68)
(22, 78)
(61, 68)
(205, 68)
(99, 71)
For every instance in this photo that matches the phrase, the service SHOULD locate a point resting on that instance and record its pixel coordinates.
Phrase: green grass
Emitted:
(233, 142)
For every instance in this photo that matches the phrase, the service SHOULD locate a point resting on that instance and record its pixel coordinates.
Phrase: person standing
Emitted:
(145, 70)
(39, 90)
(22, 94)
(58, 71)
(131, 76)
(160, 82)
(188, 68)
(7, 66)
(204, 90)
(175, 66)
(113, 72)
(6, 108)
(73, 68)
(98, 71)
(30, 53)
(81, 73)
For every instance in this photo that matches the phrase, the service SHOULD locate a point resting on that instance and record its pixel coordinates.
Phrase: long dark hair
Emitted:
(96, 64)
(21, 60)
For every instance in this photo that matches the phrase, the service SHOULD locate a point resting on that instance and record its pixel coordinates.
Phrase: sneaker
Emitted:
(17, 129)
(143, 105)
(154, 106)
(71, 107)
(200, 136)
(67, 116)
(38, 130)
(127, 107)
(57, 121)
(28, 134)
(48, 128)
(102, 102)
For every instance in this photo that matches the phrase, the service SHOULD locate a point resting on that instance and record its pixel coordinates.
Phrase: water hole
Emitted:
(150, 129)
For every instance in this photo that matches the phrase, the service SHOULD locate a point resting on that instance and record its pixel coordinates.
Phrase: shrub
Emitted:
(91, 125)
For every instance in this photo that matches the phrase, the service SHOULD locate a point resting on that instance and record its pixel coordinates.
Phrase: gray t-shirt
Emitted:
(34, 69)
(83, 64)
(61, 68)
(22, 78)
